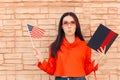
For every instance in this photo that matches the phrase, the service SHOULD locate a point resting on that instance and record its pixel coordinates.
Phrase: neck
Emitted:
(70, 39)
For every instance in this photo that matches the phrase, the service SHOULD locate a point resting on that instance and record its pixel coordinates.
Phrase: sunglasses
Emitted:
(66, 23)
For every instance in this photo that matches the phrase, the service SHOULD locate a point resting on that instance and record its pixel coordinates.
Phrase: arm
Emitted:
(47, 66)
(89, 65)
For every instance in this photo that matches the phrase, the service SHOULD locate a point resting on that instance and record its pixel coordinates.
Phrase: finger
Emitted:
(102, 50)
(98, 51)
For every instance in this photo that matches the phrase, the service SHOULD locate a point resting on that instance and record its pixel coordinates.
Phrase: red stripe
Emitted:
(107, 39)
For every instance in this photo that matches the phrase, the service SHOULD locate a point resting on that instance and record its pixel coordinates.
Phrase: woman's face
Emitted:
(69, 26)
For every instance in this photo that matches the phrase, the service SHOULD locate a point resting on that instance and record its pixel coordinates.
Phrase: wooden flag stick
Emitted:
(30, 38)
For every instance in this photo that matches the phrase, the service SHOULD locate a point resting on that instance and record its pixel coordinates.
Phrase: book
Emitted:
(102, 37)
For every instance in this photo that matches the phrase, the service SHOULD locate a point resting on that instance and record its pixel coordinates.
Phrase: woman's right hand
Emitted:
(38, 55)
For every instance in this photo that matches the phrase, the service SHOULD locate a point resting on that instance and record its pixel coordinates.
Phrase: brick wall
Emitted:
(17, 61)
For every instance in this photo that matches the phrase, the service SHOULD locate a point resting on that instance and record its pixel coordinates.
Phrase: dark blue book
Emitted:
(102, 37)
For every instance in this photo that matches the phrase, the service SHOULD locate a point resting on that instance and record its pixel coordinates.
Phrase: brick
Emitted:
(36, 77)
(7, 67)
(60, 9)
(18, 67)
(3, 77)
(115, 77)
(95, 10)
(45, 77)
(53, 15)
(113, 22)
(44, 44)
(30, 16)
(13, 61)
(11, 27)
(27, 10)
(24, 44)
(12, 56)
(11, 1)
(3, 16)
(78, 10)
(90, 4)
(8, 33)
(46, 21)
(10, 44)
(11, 22)
(43, 9)
(28, 21)
(2, 11)
(19, 33)
(10, 77)
(30, 67)
(1, 56)
(113, 10)
(6, 50)
(23, 77)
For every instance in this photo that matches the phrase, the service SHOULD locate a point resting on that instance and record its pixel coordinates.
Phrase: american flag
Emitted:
(35, 32)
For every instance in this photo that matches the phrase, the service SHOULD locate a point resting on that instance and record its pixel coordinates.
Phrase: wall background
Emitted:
(17, 61)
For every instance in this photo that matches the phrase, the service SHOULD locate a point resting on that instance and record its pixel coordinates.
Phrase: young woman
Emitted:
(69, 55)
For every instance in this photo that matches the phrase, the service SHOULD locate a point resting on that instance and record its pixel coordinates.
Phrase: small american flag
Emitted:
(35, 32)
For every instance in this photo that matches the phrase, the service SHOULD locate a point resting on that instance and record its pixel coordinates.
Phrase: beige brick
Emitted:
(45, 77)
(112, 10)
(90, 4)
(43, 9)
(46, 21)
(60, 9)
(2, 11)
(54, 15)
(28, 21)
(18, 67)
(30, 16)
(19, 33)
(8, 34)
(85, 30)
(24, 77)
(113, 22)
(3, 77)
(30, 67)
(78, 10)
(11, 22)
(95, 10)
(12, 56)
(115, 77)
(3, 16)
(13, 61)
(1, 56)
(24, 44)
(6, 50)
(10, 44)
(45, 43)
(11, 1)
(1, 25)
(36, 77)
(7, 67)
(27, 10)
(11, 27)
(11, 77)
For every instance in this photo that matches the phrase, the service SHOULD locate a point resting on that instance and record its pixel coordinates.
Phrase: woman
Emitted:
(70, 57)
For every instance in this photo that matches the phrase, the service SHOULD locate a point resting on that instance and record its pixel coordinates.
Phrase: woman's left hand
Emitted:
(101, 53)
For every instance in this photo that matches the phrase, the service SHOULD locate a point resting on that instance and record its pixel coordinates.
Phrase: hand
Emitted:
(101, 53)
(37, 55)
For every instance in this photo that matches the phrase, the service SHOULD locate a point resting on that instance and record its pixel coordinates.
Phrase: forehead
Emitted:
(68, 18)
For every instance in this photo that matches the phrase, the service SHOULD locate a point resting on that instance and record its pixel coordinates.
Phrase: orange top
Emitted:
(73, 60)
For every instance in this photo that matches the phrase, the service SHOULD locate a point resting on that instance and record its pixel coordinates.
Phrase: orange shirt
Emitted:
(73, 60)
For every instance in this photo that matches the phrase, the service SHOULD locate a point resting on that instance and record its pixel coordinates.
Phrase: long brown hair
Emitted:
(55, 46)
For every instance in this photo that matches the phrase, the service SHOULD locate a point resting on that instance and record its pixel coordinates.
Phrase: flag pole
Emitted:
(30, 38)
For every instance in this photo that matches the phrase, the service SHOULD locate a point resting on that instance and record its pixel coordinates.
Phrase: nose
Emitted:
(69, 25)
